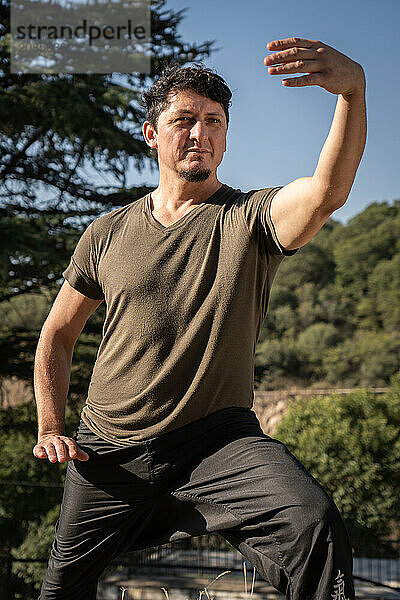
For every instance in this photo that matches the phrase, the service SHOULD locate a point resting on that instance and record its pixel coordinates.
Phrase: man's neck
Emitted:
(174, 194)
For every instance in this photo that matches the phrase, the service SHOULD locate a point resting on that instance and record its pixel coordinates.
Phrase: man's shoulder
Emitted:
(114, 219)
(234, 195)
(254, 196)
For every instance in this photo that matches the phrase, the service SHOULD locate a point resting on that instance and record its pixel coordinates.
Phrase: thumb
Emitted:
(81, 454)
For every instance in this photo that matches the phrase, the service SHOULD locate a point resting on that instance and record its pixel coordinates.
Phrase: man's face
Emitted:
(191, 136)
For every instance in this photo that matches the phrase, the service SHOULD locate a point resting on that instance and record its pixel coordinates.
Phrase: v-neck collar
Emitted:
(184, 218)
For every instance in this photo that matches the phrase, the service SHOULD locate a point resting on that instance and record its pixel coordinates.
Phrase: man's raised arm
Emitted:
(53, 358)
(302, 207)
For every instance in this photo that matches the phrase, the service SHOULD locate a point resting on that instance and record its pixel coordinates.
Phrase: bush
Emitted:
(351, 444)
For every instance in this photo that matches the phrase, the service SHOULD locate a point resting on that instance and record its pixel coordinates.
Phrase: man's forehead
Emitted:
(191, 101)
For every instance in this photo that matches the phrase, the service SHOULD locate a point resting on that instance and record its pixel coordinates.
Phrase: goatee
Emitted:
(195, 174)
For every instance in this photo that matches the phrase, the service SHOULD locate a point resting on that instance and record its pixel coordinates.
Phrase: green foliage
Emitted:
(369, 238)
(26, 312)
(37, 543)
(384, 292)
(21, 498)
(21, 319)
(351, 444)
(276, 362)
(30, 495)
(368, 358)
(313, 343)
(334, 311)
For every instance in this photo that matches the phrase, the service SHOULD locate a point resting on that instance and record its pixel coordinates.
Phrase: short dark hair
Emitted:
(176, 78)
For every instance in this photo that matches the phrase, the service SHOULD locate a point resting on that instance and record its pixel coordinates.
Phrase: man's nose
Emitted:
(199, 131)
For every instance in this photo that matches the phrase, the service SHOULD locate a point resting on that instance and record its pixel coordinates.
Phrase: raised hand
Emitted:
(324, 66)
(58, 448)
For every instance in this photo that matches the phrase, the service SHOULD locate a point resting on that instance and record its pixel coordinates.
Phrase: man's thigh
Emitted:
(97, 523)
(253, 476)
(91, 510)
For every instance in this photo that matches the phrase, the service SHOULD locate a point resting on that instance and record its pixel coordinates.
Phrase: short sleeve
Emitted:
(258, 218)
(81, 272)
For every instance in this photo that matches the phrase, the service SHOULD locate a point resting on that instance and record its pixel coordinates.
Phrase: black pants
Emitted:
(219, 474)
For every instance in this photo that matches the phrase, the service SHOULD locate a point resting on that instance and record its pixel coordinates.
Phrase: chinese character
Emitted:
(339, 588)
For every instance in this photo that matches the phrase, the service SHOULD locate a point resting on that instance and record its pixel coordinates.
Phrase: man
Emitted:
(168, 446)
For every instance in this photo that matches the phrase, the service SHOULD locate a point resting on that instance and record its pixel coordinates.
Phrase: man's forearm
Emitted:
(51, 382)
(342, 151)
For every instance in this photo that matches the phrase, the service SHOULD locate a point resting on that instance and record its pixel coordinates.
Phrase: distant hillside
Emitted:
(334, 313)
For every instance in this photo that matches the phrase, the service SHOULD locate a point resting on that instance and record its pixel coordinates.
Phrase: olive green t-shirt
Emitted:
(184, 308)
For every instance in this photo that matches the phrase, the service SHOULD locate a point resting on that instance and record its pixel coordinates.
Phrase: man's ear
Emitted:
(150, 135)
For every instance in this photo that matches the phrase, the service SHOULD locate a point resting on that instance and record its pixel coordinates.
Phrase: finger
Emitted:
(82, 455)
(300, 66)
(290, 42)
(50, 452)
(39, 451)
(290, 55)
(61, 450)
(74, 451)
(314, 79)
(71, 448)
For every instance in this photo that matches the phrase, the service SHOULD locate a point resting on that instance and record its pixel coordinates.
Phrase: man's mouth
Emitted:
(198, 150)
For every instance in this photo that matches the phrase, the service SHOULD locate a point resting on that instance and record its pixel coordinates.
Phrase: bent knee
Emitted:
(319, 517)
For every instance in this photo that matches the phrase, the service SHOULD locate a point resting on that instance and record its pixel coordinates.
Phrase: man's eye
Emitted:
(183, 119)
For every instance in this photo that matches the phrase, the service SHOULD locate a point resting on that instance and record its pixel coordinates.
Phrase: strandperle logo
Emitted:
(80, 36)
(93, 32)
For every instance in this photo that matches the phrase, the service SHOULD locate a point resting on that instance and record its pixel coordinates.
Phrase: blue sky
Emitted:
(276, 133)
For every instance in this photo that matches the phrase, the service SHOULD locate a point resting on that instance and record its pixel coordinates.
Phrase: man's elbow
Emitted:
(330, 197)
(52, 337)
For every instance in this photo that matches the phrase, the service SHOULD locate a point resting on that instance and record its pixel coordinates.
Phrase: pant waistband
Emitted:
(223, 419)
